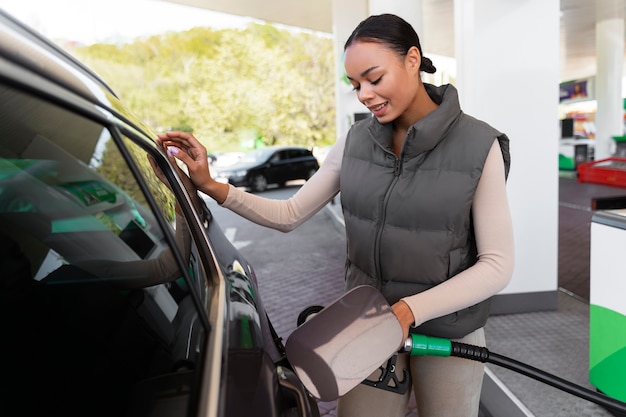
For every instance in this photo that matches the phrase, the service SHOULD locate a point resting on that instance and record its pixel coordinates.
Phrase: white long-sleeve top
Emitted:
(492, 225)
(145, 272)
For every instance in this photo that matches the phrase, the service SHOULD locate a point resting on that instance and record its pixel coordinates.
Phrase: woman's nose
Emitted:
(365, 93)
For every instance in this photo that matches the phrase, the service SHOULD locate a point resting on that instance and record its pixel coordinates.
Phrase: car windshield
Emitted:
(257, 155)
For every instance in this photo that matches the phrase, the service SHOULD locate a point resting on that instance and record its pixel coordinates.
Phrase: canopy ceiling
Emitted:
(578, 22)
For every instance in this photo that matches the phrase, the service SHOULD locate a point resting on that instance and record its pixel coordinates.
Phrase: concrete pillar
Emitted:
(347, 14)
(409, 10)
(608, 85)
(507, 75)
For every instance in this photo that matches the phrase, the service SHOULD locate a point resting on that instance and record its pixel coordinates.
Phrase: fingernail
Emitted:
(172, 151)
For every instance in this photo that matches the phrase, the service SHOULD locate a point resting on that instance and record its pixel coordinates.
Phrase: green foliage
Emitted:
(227, 86)
(115, 169)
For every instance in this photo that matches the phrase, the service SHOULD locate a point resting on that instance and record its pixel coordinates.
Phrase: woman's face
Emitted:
(384, 82)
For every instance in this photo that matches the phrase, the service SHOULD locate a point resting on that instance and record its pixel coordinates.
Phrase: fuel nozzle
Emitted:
(421, 345)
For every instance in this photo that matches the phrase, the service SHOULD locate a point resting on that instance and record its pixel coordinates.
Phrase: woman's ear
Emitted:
(413, 59)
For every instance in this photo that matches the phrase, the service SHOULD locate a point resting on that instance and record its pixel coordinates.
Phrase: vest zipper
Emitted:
(397, 169)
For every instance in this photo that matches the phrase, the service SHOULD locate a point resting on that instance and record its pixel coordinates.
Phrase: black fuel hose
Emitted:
(420, 345)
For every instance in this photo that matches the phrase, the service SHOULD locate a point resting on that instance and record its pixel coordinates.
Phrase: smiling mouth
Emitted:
(377, 108)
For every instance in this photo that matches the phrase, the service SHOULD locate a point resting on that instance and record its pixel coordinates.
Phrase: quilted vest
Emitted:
(409, 219)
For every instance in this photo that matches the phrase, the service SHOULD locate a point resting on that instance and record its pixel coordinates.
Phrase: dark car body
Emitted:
(107, 306)
(271, 165)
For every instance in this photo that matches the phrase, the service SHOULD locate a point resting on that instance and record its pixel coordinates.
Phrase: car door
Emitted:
(279, 168)
(99, 311)
(302, 163)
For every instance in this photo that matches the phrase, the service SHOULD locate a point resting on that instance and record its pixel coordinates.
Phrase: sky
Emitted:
(92, 21)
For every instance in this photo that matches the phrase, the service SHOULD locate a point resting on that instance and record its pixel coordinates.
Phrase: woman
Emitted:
(425, 207)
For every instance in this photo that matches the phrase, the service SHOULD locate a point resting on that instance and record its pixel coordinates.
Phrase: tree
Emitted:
(227, 86)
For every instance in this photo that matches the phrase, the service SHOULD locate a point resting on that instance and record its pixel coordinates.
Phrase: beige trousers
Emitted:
(443, 386)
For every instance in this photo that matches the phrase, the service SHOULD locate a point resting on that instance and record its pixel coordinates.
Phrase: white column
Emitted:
(409, 10)
(608, 85)
(347, 14)
(507, 75)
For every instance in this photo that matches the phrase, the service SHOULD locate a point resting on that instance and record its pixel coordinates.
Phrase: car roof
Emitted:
(22, 48)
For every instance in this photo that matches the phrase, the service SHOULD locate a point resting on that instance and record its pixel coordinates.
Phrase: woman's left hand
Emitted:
(405, 317)
(184, 178)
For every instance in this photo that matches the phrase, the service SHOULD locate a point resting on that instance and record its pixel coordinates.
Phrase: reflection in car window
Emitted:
(70, 190)
(86, 270)
(116, 171)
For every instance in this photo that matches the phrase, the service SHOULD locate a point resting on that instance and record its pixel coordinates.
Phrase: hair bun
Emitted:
(427, 65)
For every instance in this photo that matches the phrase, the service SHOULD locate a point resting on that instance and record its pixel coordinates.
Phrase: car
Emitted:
(119, 294)
(259, 168)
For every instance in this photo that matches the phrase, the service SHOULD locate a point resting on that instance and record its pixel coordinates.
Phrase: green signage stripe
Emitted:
(607, 333)
(609, 376)
(607, 351)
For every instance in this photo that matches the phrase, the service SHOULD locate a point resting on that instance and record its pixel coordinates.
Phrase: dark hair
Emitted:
(392, 31)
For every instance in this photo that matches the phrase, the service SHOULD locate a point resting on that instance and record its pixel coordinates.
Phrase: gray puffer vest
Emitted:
(409, 219)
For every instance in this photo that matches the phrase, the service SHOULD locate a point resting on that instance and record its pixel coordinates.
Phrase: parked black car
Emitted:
(271, 165)
(119, 294)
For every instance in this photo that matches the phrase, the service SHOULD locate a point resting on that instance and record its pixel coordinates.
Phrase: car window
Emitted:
(79, 206)
(300, 153)
(91, 295)
(281, 156)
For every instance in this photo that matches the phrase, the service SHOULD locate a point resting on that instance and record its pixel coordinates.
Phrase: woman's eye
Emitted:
(376, 81)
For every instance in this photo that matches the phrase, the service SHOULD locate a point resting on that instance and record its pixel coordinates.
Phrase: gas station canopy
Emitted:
(578, 24)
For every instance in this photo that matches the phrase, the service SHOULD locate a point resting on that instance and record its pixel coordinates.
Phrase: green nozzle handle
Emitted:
(420, 345)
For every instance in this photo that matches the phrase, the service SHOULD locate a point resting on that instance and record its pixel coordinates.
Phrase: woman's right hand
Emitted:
(186, 148)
